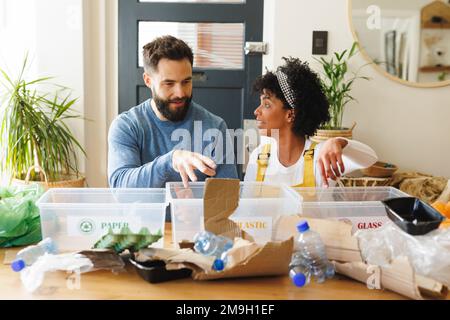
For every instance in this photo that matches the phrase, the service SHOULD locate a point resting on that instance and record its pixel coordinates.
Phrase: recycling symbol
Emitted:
(86, 226)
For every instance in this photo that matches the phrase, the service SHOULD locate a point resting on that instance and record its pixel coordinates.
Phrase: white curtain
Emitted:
(100, 24)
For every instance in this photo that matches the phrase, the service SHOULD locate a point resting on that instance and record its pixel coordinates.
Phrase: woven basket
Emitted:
(364, 182)
(380, 170)
(67, 181)
(325, 134)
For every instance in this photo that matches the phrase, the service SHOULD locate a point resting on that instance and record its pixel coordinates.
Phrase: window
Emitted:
(215, 45)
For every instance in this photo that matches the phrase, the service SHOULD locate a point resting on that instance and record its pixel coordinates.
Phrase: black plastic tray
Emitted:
(154, 271)
(413, 215)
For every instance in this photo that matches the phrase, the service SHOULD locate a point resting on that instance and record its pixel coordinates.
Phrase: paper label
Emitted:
(98, 226)
(260, 228)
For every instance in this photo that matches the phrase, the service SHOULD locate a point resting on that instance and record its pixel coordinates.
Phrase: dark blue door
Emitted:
(216, 30)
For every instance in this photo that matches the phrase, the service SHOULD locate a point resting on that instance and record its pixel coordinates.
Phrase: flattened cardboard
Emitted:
(398, 277)
(220, 200)
(271, 260)
(104, 259)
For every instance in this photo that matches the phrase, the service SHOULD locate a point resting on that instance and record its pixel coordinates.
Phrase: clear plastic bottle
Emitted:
(220, 263)
(310, 246)
(299, 271)
(209, 244)
(30, 254)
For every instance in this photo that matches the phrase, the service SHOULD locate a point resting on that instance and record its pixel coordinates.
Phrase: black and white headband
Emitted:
(287, 91)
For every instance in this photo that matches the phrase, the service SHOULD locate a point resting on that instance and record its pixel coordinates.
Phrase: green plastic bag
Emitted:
(20, 222)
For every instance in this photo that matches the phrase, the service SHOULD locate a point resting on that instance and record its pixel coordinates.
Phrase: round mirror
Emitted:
(406, 40)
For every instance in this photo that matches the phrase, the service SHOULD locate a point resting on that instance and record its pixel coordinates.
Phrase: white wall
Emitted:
(406, 126)
(100, 24)
(59, 53)
(51, 31)
(17, 35)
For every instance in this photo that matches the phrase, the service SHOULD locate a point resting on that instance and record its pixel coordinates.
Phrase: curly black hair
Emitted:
(311, 104)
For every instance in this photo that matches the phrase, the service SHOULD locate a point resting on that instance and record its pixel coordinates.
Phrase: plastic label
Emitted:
(260, 228)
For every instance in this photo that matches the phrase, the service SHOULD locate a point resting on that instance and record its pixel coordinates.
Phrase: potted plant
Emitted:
(337, 86)
(36, 144)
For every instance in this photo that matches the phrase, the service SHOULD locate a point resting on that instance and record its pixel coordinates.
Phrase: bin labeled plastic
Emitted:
(260, 205)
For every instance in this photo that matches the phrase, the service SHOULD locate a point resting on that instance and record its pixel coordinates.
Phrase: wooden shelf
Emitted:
(434, 69)
(432, 10)
(431, 25)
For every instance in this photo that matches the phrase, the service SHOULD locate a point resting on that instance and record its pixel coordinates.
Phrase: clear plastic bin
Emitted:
(360, 206)
(76, 218)
(259, 206)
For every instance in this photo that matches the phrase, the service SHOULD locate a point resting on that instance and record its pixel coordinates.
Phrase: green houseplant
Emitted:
(33, 136)
(337, 85)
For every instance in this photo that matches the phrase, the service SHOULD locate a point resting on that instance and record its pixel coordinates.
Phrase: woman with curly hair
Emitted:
(293, 106)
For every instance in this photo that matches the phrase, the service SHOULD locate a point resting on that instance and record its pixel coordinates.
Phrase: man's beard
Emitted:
(176, 115)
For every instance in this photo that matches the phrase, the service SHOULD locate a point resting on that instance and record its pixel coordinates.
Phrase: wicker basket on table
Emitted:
(363, 182)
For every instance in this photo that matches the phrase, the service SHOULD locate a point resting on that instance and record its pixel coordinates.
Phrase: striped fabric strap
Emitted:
(287, 91)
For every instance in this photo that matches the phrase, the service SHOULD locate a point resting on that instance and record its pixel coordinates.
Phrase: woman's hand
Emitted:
(330, 159)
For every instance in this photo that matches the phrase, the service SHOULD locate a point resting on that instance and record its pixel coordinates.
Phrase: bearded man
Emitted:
(145, 150)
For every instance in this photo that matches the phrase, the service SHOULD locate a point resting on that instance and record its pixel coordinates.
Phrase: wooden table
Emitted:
(128, 285)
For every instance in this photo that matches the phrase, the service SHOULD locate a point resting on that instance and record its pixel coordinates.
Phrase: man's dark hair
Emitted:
(311, 104)
(165, 47)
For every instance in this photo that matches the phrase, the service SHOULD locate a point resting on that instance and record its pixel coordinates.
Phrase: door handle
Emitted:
(252, 48)
(199, 76)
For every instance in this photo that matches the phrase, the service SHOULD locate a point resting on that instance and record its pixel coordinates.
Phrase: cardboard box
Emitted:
(245, 259)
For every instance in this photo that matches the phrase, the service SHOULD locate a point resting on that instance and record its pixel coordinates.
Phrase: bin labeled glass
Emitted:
(360, 206)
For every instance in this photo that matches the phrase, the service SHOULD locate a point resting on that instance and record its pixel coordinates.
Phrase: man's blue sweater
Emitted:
(141, 146)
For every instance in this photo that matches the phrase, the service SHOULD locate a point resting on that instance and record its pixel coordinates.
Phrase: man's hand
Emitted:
(330, 159)
(185, 162)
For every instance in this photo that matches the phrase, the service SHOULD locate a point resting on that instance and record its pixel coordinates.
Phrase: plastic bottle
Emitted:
(299, 271)
(30, 254)
(33, 276)
(310, 246)
(209, 244)
(220, 263)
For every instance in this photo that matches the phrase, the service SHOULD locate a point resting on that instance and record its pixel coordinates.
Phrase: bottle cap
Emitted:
(18, 265)
(218, 265)
(299, 279)
(303, 226)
